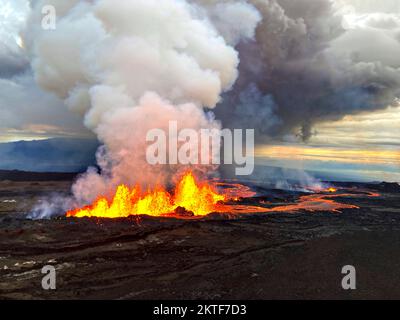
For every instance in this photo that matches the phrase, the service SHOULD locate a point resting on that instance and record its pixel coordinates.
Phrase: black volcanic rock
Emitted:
(389, 187)
(16, 175)
(180, 211)
(281, 255)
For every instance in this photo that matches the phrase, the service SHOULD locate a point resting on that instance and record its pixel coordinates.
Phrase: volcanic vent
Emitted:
(190, 196)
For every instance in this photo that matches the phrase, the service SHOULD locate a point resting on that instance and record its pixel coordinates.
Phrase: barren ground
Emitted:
(263, 256)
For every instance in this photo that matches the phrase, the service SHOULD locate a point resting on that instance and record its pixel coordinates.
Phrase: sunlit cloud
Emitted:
(362, 131)
(377, 156)
(39, 132)
(363, 146)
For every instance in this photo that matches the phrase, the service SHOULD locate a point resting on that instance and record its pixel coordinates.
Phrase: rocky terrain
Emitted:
(276, 255)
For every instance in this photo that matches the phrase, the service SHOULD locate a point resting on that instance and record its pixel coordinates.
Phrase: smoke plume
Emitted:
(313, 61)
(135, 66)
(279, 66)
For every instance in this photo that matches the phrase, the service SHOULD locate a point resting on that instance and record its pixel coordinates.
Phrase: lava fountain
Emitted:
(190, 195)
(194, 199)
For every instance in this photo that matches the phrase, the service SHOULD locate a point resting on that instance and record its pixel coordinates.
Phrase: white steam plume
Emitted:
(133, 66)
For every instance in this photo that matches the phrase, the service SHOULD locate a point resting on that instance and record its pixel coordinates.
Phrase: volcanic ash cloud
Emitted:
(314, 61)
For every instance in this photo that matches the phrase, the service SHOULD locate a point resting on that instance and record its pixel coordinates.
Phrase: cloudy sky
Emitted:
(363, 144)
(26, 111)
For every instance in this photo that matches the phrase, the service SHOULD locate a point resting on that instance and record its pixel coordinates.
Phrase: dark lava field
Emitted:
(294, 254)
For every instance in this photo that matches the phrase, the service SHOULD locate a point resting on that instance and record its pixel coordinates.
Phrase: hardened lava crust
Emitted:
(271, 255)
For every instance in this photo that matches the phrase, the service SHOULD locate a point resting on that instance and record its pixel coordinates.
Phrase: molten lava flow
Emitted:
(192, 199)
(190, 196)
(235, 191)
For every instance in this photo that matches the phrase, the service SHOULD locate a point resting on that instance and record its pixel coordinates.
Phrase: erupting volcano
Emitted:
(194, 199)
(199, 149)
(189, 195)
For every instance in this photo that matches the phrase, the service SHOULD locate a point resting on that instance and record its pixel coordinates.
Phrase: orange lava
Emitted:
(195, 197)
(310, 203)
(316, 202)
(236, 191)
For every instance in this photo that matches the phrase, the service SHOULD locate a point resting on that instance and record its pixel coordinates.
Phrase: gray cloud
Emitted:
(25, 108)
(304, 66)
(371, 6)
(13, 59)
(11, 62)
(308, 68)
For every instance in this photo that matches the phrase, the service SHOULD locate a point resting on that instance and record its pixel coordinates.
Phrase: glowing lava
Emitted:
(189, 196)
(194, 199)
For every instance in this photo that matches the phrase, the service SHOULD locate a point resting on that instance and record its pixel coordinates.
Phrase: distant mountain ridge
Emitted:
(52, 155)
(68, 155)
(16, 175)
